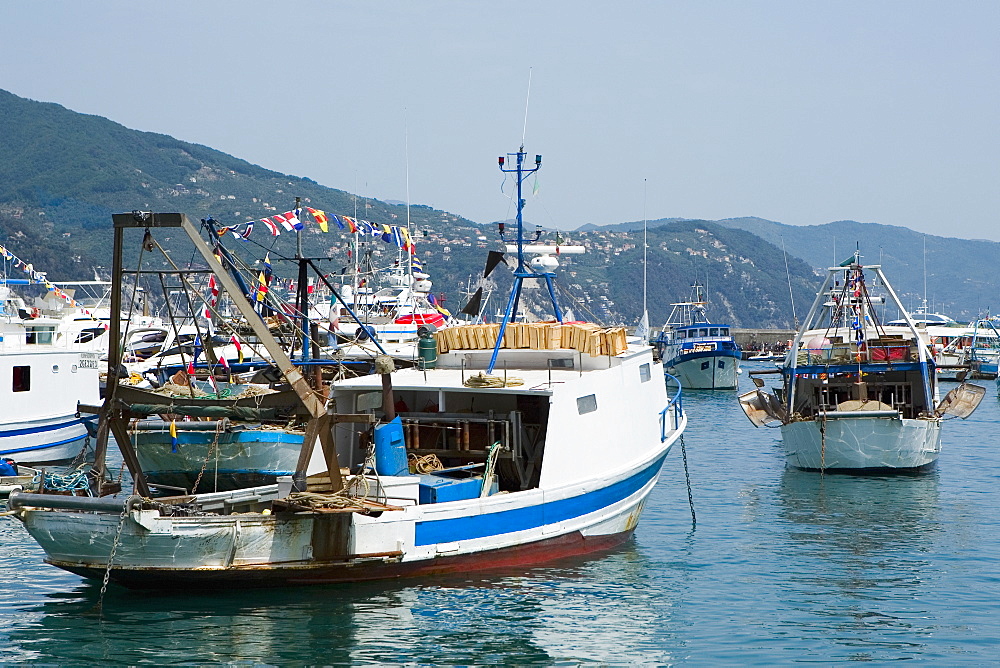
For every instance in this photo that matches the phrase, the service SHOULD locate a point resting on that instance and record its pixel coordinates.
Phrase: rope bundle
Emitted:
(482, 379)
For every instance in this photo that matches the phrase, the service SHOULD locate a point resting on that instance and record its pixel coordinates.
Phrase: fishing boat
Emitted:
(857, 395)
(702, 355)
(550, 437)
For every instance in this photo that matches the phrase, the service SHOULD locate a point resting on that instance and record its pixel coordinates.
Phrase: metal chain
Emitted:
(111, 557)
(822, 445)
(208, 457)
(687, 478)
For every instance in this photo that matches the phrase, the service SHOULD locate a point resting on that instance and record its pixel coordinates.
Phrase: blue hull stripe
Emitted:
(267, 472)
(38, 430)
(686, 357)
(43, 446)
(520, 519)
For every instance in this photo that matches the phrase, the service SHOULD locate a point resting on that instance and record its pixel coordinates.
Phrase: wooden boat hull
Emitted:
(869, 444)
(504, 530)
(226, 460)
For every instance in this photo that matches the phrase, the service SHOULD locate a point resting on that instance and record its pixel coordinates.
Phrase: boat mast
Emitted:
(522, 272)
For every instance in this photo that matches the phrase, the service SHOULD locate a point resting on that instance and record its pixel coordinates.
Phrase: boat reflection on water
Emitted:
(870, 529)
(521, 615)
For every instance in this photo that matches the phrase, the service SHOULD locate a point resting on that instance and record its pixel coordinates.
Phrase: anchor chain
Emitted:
(687, 478)
(212, 449)
(111, 557)
(822, 444)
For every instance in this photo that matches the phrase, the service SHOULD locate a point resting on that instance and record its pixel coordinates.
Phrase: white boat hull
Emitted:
(520, 528)
(42, 441)
(715, 372)
(862, 443)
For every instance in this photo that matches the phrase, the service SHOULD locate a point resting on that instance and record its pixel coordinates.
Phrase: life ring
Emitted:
(36, 312)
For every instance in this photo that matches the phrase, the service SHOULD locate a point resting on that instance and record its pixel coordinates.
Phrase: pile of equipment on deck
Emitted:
(582, 336)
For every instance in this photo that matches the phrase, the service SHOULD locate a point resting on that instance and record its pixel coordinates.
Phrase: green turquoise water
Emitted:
(783, 567)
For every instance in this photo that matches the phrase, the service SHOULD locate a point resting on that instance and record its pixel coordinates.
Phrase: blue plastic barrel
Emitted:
(390, 449)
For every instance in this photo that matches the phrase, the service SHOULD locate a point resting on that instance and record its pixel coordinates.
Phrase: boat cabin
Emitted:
(882, 375)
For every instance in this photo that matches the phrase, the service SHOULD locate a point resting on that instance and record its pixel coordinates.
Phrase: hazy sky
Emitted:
(800, 112)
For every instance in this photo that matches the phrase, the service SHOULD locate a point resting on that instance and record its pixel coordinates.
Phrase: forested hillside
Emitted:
(65, 173)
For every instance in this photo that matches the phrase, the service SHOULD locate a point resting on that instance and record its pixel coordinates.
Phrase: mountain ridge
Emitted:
(66, 173)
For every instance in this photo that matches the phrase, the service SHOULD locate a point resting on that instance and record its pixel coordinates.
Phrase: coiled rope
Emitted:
(482, 379)
(73, 481)
(425, 464)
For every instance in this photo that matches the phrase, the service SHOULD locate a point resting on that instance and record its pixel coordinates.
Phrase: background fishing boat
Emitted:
(45, 373)
(702, 355)
(857, 395)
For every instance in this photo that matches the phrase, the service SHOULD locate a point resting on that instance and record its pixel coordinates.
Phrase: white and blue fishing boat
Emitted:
(550, 437)
(982, 354)
(43, 376)
(700, 354)
(857, 395)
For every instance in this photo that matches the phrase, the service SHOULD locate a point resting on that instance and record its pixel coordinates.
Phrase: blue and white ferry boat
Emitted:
(551, 436)
(700, 354)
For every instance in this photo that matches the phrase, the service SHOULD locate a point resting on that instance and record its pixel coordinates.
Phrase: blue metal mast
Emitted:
(522, 271)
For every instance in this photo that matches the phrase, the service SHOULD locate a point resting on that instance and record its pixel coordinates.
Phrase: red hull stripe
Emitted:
(519, 519)
(569, 545)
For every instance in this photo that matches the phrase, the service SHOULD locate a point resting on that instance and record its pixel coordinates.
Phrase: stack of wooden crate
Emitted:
(582, 336)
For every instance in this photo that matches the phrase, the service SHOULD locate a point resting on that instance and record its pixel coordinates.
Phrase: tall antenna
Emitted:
(527, 97)
(788, 277)
(925, 273)
(406, 152)
(643, 329)
(645, 246)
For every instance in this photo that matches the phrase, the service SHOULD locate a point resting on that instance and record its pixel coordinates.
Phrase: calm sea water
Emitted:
(783, 567)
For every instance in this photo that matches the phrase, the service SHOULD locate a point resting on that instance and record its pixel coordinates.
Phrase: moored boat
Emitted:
(45, 374)
(857, 395)
(550, 438)
(700, 354)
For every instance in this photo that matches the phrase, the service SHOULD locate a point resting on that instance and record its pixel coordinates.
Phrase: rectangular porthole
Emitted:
(644, 372)
(22, 378)
(587, 404)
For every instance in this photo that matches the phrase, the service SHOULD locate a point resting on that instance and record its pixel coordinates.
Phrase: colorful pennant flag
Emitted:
(272, 228)
(239, 348)
(319, 217)
(194, 358)
(213, 288)
(173, 436)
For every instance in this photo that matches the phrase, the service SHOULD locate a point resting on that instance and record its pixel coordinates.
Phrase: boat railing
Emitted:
(846, 353)
(461, 438)
(457, 435)
(675, 405)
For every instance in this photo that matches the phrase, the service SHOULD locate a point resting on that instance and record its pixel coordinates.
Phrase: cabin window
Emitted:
(644, 373)
(587, 404)
(39, 335)
(714, 331)
(22, 378)
(724, 331)
(704, 331)
(561, 363)
(681, 333)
